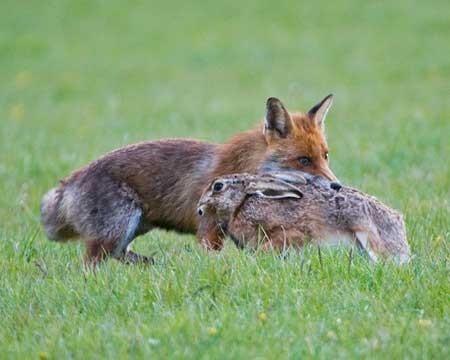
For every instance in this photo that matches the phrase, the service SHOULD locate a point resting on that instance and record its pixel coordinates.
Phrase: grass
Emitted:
(79, 78)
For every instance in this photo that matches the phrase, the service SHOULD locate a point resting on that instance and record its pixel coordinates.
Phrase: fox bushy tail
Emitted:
(53, 216)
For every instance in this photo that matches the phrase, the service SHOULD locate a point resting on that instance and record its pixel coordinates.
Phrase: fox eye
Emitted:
(305, 160)
(326, 155)
(217, 186)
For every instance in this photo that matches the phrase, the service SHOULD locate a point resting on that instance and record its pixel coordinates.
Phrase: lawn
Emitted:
(79, 78)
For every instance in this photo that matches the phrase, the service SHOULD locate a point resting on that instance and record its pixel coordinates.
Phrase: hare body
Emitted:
(282, 210)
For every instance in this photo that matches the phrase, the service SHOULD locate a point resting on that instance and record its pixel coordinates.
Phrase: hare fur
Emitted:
(292, 209)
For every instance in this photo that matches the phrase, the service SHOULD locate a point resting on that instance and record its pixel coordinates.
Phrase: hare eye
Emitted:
(326, 155)
(217, 186)
(305, 161)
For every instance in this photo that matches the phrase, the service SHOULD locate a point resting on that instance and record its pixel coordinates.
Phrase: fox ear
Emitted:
(319, 112)
(278, 122)
(273, 189)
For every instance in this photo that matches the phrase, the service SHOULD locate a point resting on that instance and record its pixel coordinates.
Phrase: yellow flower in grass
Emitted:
(212, 331)
(425, 323)
(17, 111)
(43, 356)
(331, 335)
(23, 79)
(262, 316)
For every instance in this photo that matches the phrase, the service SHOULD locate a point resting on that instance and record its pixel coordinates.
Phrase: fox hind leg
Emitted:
(111, 218)
(96, 251)
(118, 246)
(122, 251)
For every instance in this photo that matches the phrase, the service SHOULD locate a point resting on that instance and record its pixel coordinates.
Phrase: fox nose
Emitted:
(200, 211)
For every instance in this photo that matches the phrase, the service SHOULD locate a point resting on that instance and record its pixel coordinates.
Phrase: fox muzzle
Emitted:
(328, 174)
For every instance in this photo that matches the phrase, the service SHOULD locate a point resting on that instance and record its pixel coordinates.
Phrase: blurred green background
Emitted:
(79, 78)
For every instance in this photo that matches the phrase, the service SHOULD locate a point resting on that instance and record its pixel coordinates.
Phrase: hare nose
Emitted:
(336, 186)
(200, 211)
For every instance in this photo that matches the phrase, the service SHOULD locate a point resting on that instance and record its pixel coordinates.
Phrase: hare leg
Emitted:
(367, 240)
(277, 240)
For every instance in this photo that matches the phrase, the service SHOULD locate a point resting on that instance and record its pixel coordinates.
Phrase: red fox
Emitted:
(131, 190)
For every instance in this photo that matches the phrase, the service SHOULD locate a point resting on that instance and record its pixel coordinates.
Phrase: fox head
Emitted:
(297, 140)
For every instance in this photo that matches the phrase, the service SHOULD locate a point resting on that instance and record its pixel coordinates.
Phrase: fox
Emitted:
(157, 184)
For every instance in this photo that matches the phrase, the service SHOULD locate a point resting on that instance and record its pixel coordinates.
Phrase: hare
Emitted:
(292, 209)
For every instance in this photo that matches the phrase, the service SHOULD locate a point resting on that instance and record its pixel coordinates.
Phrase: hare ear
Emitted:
(291, 177)
(274, 190)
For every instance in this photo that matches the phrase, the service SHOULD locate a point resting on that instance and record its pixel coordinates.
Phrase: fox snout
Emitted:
(328, 174)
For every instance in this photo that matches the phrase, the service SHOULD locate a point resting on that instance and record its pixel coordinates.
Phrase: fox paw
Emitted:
(131, 257)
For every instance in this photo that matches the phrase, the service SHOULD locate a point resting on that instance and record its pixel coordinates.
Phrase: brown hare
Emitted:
(292, 209)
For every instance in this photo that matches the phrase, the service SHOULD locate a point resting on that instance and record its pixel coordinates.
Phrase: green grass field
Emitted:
(79, 78)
